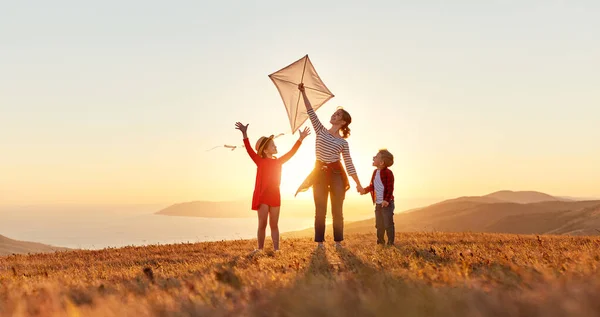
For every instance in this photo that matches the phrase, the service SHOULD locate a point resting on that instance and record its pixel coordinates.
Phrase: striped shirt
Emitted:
(329, 147)
(378, 184)
(387, 178)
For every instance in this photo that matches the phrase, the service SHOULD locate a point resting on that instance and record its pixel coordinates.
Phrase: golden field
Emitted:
(425, 274)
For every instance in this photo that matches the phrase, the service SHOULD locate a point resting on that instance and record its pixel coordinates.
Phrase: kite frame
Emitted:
(306, 60)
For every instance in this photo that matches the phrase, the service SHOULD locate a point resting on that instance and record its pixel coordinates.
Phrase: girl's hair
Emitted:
(262, 153)
(348, 119)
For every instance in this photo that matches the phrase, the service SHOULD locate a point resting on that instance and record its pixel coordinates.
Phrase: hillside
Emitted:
(550, 217)
(355, 208)
(473, 199)
(427, 274)
(10, 246)
(508, 196)
(523, 197)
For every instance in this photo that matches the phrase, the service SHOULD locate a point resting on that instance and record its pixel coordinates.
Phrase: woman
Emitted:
(328, 176)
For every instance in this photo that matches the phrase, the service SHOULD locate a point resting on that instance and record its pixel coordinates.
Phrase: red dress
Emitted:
(268, 176)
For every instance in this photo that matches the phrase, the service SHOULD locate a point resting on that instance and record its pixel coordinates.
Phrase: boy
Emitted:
(382, 194)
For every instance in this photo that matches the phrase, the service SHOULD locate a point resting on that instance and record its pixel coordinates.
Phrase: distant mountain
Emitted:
(547, 217)
(362, 208)
(523, 197)
(519, 197)
(473, 199)
(235, 209)
(9, 246)
(210, 209)
(353, 210)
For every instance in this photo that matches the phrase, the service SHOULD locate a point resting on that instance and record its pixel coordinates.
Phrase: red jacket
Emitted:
(387, 178)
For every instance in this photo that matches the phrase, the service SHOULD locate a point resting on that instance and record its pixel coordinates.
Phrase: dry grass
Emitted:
(427, 274)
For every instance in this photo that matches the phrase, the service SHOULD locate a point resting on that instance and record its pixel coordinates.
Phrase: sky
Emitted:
(120, 101)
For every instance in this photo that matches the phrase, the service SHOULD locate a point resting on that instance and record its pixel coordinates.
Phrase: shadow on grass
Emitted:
(318, 265)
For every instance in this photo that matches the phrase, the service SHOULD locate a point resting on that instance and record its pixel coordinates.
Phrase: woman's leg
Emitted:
(263, 214)
(338, 194)
(274, 224)
(320, 195)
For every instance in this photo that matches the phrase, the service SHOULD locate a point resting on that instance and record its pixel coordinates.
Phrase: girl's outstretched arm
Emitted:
(284, 158)
(244, 129)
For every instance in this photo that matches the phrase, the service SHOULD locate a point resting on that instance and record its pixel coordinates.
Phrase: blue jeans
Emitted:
(384, 222)
(321, 190)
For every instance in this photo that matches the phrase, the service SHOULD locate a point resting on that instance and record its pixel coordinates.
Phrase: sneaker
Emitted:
(338, 245)
(255, 251)
(320, 246)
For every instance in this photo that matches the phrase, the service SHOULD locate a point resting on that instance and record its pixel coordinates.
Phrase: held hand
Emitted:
(301, 87)
(241, 127)
(384, 204)
(304, 133)
(360, 189)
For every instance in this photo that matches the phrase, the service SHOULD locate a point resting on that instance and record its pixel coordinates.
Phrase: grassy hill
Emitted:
(9, 246)
(427, 274)
(548, 217)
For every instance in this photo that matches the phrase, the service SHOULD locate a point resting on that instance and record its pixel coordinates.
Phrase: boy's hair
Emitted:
(386, 157)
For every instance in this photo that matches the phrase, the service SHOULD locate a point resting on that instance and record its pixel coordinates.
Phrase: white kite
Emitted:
(287, 79)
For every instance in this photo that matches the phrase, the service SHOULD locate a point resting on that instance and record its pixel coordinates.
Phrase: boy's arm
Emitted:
(369, 188)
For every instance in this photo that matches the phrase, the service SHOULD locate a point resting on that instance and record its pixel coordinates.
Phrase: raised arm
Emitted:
(316, 123)
(287, 156)
(284, 158)
(251, 153)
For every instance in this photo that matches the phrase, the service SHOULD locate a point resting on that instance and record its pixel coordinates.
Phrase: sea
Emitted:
(103, 227)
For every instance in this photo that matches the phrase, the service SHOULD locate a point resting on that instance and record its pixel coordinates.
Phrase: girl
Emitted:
(266, 199)
(328, 177)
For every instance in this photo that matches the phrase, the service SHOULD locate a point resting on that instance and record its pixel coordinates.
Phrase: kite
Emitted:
(233, 147)
(287, 79)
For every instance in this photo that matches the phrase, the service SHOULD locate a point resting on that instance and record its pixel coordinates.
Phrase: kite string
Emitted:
(233, 147)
